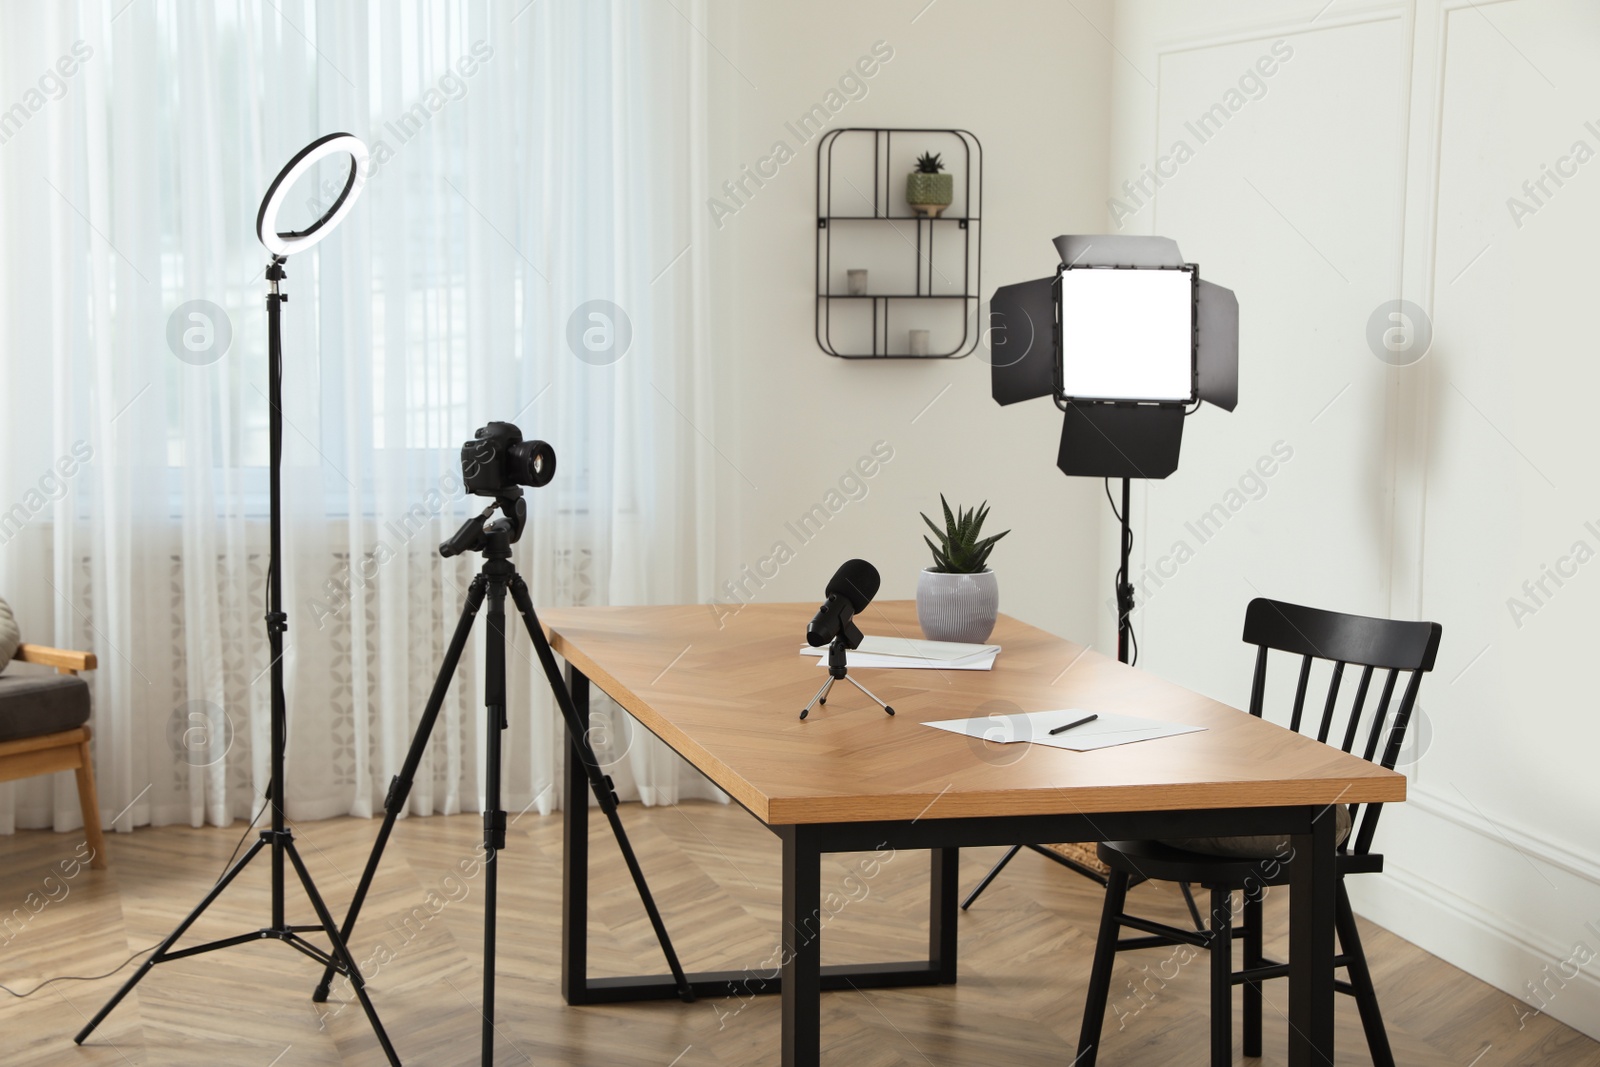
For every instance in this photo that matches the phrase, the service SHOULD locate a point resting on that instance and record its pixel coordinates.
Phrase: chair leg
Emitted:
(996, 869)
(1194, 910)
(1361, 982)
(1252, 958)
(1105, 955)
(89, 801)
(1221, 977)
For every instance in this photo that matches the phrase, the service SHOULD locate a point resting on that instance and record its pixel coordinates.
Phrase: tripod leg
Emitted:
(494, 819)
(870, 694)
(339, 950)
(820, 698)
(400, 785)
(598, 781)
(172, 939)
(993, 871)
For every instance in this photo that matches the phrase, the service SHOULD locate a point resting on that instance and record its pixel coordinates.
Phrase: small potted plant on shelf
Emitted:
(929, 191)
(958, 597)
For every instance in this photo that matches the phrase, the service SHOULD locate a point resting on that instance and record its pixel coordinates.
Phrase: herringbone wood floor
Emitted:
(1025, 951)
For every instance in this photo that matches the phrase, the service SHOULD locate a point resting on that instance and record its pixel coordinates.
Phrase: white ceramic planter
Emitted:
(957, 607)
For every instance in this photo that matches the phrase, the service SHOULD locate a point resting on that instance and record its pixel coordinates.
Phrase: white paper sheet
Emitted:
(855, 658)
(1109, 730)
(915, 654)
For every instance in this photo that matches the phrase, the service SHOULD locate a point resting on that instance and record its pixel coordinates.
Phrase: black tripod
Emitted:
(279, 839)
(849, 637)
(493, 536)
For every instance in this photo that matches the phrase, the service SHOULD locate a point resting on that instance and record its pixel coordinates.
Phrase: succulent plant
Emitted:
(928, 163)
(960, 550)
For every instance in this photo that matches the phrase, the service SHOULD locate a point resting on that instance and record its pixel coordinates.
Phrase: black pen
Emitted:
(1070, 725)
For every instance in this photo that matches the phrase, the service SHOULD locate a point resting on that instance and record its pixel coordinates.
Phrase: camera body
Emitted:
(497, 459)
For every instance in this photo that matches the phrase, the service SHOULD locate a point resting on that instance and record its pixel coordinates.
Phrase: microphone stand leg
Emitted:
(869, 693)
(820, 698)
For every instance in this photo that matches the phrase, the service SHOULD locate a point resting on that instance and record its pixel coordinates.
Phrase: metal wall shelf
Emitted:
(888, 207)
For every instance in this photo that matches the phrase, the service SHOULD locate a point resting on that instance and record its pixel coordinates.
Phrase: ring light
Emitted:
(282, 244)
(278, 842)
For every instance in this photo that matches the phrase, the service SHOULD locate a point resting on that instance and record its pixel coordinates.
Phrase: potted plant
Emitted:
(928, 191)
(958, 597)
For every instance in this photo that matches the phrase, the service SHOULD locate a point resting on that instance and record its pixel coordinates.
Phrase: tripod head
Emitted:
(838, 653)
(849, 637)
(488, 533)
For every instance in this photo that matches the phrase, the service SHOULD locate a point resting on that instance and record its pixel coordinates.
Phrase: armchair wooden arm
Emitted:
(67, 750)
(65, 661)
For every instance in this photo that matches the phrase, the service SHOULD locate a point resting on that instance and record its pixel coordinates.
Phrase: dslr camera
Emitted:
(498, 460)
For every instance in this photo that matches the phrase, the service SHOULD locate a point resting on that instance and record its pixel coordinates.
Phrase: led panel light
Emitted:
(1022, 341)
(1127, 334)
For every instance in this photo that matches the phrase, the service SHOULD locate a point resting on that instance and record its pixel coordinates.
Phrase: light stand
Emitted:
(1123, 371)
(1123, 337)
(1124, 585)
(279, 839)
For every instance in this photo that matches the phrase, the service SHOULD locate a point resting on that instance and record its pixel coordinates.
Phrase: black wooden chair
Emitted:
(1226, 864)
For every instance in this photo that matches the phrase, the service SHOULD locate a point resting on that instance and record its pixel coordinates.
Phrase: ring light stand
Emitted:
(279, 840)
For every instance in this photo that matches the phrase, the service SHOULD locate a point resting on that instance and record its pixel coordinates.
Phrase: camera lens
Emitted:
(531, 463)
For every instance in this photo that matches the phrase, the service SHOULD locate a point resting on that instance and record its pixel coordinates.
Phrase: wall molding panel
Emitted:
(1484, 865)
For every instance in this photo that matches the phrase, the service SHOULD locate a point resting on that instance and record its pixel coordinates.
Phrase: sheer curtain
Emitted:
(525, 249)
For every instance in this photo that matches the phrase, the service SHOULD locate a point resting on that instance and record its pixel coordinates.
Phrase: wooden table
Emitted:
(725, 693)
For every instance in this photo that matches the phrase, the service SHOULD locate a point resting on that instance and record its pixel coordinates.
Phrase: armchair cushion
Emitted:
(10, 636)
(32, 705)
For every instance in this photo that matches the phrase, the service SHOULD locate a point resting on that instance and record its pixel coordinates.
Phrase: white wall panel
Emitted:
(1380, 162)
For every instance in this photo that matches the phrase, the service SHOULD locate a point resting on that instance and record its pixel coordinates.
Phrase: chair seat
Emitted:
(1257, 846)
(1155, 859)
(1081, 853)
(38, 704)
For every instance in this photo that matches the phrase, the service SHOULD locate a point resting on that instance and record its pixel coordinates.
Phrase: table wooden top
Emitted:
(728, 698)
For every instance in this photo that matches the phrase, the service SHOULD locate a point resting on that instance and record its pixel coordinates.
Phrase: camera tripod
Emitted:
(493, 537)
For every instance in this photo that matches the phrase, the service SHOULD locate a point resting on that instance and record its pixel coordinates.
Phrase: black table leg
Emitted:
(577, 987)
(1313, 900)
(575, 858)
(802, 947)
(942, 902)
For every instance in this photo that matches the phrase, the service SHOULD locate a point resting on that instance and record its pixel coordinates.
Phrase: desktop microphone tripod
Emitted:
(849, 637)
(493, 537)
(279, 839)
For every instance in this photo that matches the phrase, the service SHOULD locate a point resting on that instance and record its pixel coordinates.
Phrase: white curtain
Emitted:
(531, 207)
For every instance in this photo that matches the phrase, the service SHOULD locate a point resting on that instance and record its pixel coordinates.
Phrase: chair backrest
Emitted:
(1368, 644)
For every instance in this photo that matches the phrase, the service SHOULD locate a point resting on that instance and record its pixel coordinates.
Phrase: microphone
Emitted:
(849, 591)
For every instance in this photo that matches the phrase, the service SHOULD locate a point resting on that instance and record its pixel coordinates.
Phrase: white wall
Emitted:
(794, 419)
(1373, 162)
(1376, 163)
